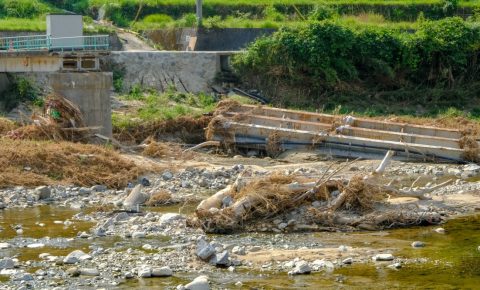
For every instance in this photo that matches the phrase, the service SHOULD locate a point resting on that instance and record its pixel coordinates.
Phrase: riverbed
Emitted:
(448, 260)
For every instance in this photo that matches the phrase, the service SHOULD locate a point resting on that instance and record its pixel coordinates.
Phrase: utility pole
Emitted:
(199, 12)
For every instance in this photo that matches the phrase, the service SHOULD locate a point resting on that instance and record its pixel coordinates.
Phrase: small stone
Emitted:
(383, 257)
(440, 230)
(43, 256)
(239, 284)
(167, 175)
(204, 250)
(343, 248)
(89, 272)
(43, 192)
(145, 182)
(145, 272)
(418, 244)
(147, 247)
(347, 261)
(84, 191)
(6, 263)
(4, 245)
(23, 277)
(395, 266)
(35, 245)
(169, 218)
(83, 235)
(238, 250)
(222, 259)
(199, 283)
(282, 226)
(227, 201)
(99, 188)
(74, 257)
(301, 268)
(139, 235)
(73, 271)
(162, 272)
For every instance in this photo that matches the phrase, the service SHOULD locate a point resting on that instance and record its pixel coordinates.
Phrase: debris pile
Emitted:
(27, 163)
(187, 129)
(275, 130)
(61, 120)
(330, 201)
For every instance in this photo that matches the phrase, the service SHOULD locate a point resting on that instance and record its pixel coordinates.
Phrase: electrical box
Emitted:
(65, 30)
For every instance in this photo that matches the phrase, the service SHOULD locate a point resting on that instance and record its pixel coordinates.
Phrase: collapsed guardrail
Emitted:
(276, 130)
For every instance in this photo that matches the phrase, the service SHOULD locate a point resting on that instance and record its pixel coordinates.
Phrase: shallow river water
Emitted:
(449, 261)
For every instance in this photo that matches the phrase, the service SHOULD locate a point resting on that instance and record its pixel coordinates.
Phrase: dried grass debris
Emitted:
(160, 198)
(33, 163)
(6, 125)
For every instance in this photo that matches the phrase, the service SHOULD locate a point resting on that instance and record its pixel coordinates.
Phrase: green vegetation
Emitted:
(21, 90)
(152, 106)
(366, 68)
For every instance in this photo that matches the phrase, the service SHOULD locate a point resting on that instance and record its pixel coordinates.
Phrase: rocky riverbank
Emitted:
(98, 243)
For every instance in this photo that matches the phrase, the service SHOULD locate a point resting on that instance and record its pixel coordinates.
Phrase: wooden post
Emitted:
(199, 12)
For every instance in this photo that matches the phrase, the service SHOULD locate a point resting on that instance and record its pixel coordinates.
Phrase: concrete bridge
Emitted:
(42, 53)
(72, 68)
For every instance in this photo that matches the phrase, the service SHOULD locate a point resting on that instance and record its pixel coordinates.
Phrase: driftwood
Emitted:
(263, 199)
(202, 145)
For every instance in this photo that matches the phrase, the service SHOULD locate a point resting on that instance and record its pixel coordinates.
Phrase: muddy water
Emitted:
(449, 260)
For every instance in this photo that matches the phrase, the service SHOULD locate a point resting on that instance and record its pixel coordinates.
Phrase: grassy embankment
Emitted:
(336, 65)
(153, 14)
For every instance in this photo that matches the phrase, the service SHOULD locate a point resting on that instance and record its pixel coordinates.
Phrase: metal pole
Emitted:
(199, 12)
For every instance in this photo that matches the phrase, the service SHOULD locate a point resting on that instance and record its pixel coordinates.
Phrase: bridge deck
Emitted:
(49, 44)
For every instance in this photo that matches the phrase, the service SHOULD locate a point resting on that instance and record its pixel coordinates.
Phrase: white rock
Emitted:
(395, 266)
(147, 247)
(170, 217)
(145, 272)
(162, 272)
(74, 257)
(301, 268)
(343, 248)
(139, 235)
(4, 245)
(440, 230)
(383, 257)
(43, 256)
(35, 245)
(199, 283)
(347, 261)
(238, 250)
(418, 244)
(89, 272)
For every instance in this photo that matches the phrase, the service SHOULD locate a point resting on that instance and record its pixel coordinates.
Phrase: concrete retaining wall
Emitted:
(228, 39)
(187, 71)
(91, 92)
(219, 39)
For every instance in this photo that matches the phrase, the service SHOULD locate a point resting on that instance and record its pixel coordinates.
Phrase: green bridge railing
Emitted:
(47, 43)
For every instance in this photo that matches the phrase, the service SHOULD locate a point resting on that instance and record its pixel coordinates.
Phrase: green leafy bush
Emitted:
(326, 53)
(322, 12)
